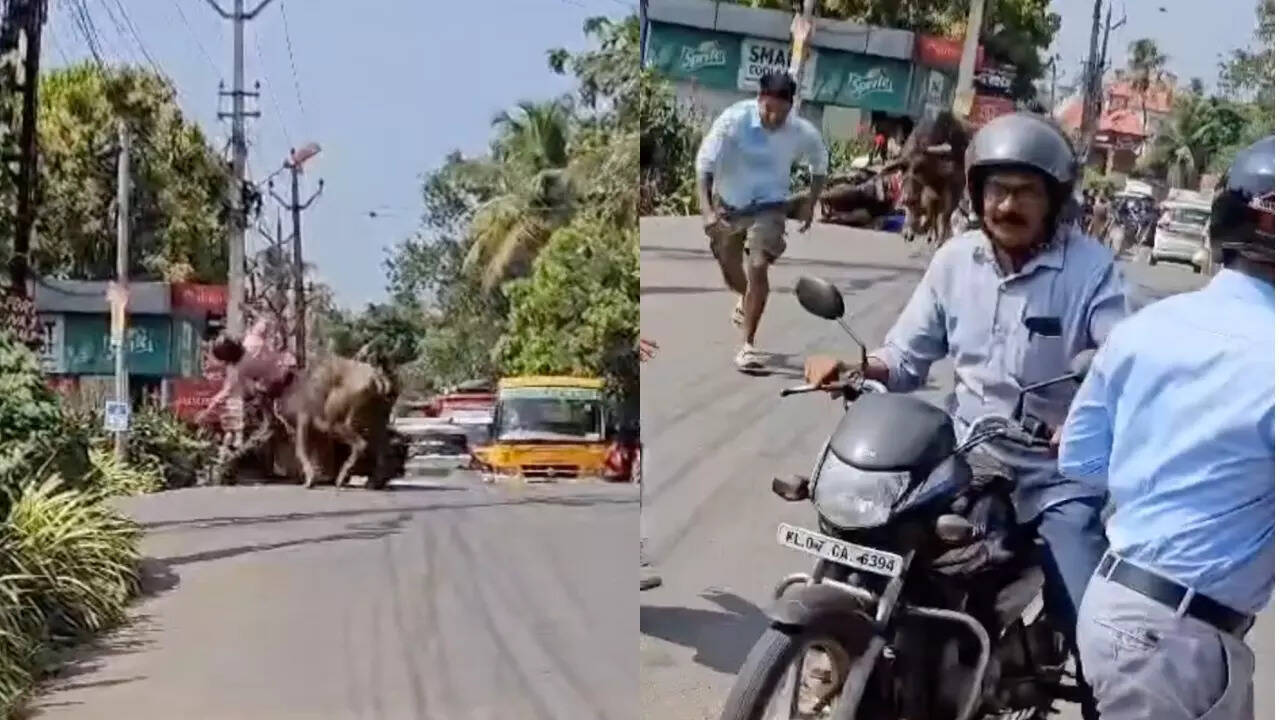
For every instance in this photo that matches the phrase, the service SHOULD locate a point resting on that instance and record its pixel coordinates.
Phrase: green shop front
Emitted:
(841, 89)
(162, 340)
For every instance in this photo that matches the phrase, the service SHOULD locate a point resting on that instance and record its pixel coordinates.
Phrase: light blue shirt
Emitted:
(1178, 420)
(966, 309)
(750, 164)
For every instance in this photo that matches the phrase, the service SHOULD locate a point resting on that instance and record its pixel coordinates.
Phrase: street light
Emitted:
(302, 154)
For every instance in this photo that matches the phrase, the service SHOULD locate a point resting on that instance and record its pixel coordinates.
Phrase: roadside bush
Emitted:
(67, 570)
(122, 477)
(163, 452)
(35, 434)
(67, 560)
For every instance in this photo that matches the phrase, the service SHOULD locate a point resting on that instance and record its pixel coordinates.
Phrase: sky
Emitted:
(389, 91)
(1193, 33)
(386, 91)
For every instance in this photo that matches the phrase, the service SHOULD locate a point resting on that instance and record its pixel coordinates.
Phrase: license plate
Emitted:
(840, 552)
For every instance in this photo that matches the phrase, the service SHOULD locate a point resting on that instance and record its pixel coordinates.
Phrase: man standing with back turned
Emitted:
(744, 180)
(1177, 418)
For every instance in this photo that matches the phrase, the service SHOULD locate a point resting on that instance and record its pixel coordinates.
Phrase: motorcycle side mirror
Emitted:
(1077, 370)
(823, 299)
(820, 298)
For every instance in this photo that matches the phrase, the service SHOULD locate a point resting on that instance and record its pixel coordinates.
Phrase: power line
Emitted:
(84, 23)
(288, 41)
(137, 37)
(120, 31)
(194, 36)
(271, 93)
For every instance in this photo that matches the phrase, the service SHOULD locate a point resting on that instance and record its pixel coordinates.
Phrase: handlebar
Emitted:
(855, 385)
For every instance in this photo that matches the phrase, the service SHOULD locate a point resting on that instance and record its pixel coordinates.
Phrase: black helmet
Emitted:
(1244, 209)
(1022, 140)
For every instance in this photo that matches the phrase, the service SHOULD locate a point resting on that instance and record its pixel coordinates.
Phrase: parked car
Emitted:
(434, 446)
(1181, 234)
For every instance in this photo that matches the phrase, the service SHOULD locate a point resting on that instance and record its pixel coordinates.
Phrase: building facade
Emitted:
(857, 77)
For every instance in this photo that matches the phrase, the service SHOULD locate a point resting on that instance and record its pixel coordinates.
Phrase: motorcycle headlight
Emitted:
(850, 498)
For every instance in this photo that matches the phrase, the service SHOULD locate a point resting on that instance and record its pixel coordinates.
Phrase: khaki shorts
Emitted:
(760, 235)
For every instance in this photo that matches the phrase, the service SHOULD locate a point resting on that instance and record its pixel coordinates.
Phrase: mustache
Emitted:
(1011, 218)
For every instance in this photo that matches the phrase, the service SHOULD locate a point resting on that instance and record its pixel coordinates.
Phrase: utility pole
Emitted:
(644, 31)
(968, 59)
(21, 29)
(801, 33)
(298, 304)
(1053, 84)
(123, 185)
(1090, 109)
(237, 190)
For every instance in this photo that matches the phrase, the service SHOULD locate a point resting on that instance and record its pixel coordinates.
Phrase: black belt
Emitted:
(1173, 595)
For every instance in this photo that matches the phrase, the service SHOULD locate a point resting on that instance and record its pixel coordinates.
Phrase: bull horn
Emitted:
(939, 149)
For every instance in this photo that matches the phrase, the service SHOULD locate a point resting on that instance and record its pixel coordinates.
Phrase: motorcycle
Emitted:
(879, 630)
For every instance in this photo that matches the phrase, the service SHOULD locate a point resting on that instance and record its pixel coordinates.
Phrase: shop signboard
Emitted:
(189, 396)
(54, 335)
(931, 92)
(761, 56)
(89, 351)
(199, 299)
(705, 57)
(988, 107)
(862, 81)
(995, 78)
(942, 53)
(186, 347)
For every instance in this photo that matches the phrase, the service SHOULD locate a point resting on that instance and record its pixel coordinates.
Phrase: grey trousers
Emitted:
(1145, 661)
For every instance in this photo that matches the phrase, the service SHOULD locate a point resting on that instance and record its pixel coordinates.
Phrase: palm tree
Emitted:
(534, 195)
(1197, 129)
(1146, 67)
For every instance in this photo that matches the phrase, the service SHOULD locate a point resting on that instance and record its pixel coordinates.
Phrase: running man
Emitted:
(744, 181)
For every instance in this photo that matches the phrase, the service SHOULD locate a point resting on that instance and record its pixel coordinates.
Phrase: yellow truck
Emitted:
(549, 427)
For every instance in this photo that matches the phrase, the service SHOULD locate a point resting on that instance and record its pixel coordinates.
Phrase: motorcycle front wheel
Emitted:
(798, 674)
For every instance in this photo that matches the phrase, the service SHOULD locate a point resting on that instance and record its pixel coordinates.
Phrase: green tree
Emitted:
(1250, 74)
(577, 314)
(177, 209)
(1146, 68)
(1198, 129)
(534, 195)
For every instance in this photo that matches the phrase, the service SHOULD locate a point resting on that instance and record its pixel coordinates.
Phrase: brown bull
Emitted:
(349, 401)
(933, 183)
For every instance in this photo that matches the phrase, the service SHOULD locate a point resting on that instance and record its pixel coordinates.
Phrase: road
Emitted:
(437, 599)
(715, 438)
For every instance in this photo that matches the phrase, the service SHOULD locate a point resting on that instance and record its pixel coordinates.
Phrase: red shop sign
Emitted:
(202, 298)
(191, 395)
(942, 53)
(989, 107)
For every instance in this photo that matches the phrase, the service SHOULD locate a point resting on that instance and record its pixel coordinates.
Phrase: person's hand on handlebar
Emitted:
(822, 369)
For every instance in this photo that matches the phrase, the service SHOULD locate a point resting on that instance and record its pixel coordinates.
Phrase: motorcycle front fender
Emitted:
(806, 605)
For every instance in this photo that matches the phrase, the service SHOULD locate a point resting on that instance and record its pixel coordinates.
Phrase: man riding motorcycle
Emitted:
(1011, 304)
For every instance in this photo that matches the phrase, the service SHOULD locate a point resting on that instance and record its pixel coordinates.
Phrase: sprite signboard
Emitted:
(862, 81)
(702, 56)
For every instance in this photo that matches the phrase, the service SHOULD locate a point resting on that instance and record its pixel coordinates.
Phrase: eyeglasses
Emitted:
(996, 192)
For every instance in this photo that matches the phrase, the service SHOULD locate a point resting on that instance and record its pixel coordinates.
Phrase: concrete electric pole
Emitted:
(298, 305)
(237, 189)
(119, 320)
(968, 59)
(801, 34)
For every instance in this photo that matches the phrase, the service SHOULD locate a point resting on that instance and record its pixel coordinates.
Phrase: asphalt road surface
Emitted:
(715, 438)
(437, 599)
